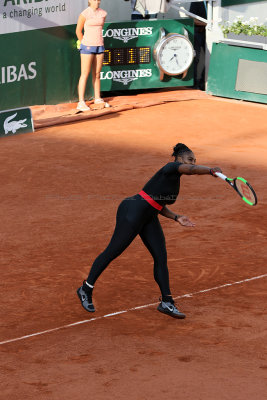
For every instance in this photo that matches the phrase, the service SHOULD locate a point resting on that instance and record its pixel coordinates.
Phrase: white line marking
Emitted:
(130, 309)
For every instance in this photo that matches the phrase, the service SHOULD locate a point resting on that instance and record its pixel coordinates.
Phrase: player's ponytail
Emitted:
(179, 149)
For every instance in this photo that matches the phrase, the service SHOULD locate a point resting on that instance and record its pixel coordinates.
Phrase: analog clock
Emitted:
(173, 53)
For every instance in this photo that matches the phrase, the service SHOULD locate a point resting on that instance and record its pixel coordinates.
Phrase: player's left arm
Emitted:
(182, 219)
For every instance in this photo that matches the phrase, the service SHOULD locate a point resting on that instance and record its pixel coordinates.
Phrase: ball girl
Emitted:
(91, 45)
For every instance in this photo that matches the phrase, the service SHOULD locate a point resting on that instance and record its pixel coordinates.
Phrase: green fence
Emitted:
(38, 67)
(43, 66)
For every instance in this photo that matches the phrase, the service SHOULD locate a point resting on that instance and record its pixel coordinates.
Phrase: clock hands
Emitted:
(175, 56)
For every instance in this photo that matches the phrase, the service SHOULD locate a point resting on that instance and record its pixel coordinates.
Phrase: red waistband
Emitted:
(149, 199)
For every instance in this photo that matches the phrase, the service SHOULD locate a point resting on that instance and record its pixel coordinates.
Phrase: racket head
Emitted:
(245, 191)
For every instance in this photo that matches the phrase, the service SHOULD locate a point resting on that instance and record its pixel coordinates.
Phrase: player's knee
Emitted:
(97, 75)
(84, 75)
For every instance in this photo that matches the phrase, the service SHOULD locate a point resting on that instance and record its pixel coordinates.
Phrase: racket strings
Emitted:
(246, 191)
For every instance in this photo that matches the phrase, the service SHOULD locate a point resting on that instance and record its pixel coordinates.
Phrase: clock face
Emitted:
(175, 54)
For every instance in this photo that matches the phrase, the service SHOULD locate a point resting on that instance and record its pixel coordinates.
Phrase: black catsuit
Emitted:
(136, 216)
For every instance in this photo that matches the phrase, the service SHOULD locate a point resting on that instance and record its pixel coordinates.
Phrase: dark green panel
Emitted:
(16, 121)
(234, 2)
(43, 66)
(150, 70)
(223, 71)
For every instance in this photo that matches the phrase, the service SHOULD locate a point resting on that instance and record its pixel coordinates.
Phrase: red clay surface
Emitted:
(60, 188)
(47, 115)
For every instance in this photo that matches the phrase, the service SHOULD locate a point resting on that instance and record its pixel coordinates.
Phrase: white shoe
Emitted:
(101, 101)
(82, 106)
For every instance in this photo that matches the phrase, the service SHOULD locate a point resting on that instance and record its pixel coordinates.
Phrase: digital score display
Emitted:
(127, 56)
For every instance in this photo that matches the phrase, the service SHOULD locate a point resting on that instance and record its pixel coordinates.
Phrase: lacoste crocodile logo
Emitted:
(13, 126)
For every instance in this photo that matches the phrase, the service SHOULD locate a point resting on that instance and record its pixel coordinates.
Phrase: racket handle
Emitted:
(220, 175)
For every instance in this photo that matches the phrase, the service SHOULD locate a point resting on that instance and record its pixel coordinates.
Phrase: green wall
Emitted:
(38, 67)
(43, 66)
(223, 71)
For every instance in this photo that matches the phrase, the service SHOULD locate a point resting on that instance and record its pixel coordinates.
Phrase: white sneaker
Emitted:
(101, 101)
(82, 106)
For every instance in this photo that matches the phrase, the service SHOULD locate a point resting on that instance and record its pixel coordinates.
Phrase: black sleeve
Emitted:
(171, 168)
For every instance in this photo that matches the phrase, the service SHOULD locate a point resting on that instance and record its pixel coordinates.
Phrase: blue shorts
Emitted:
(91, 49)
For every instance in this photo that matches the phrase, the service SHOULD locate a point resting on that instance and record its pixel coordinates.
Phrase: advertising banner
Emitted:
(38, 64)
(24, 15)
(129, 61)
(38, 67)
(16, 121)
(43, 66)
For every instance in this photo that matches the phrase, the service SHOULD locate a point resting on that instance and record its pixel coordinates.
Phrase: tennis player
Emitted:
(91, 21)
(139, 215)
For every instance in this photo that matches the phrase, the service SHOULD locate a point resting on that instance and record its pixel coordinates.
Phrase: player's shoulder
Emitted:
(171, 167)
(102, 12)
(86, 12)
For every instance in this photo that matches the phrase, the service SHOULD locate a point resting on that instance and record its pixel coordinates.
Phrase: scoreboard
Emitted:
(129, 54)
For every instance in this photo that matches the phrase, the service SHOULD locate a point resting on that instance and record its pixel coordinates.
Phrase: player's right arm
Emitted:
(189, 169)
(79, 27)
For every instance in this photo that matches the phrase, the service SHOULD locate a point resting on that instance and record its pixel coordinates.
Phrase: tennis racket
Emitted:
(242, 187)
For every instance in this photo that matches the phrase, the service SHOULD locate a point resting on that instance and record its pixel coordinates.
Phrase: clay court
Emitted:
(60, 189)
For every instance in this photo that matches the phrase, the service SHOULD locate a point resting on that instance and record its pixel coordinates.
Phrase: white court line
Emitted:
(130, 309)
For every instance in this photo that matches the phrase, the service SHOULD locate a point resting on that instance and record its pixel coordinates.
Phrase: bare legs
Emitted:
(97, 66)
(88, 62)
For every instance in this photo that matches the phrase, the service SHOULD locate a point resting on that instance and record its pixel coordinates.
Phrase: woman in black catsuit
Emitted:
(138, 215)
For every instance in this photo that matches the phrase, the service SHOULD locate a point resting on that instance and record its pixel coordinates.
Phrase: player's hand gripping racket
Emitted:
(242, 187)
